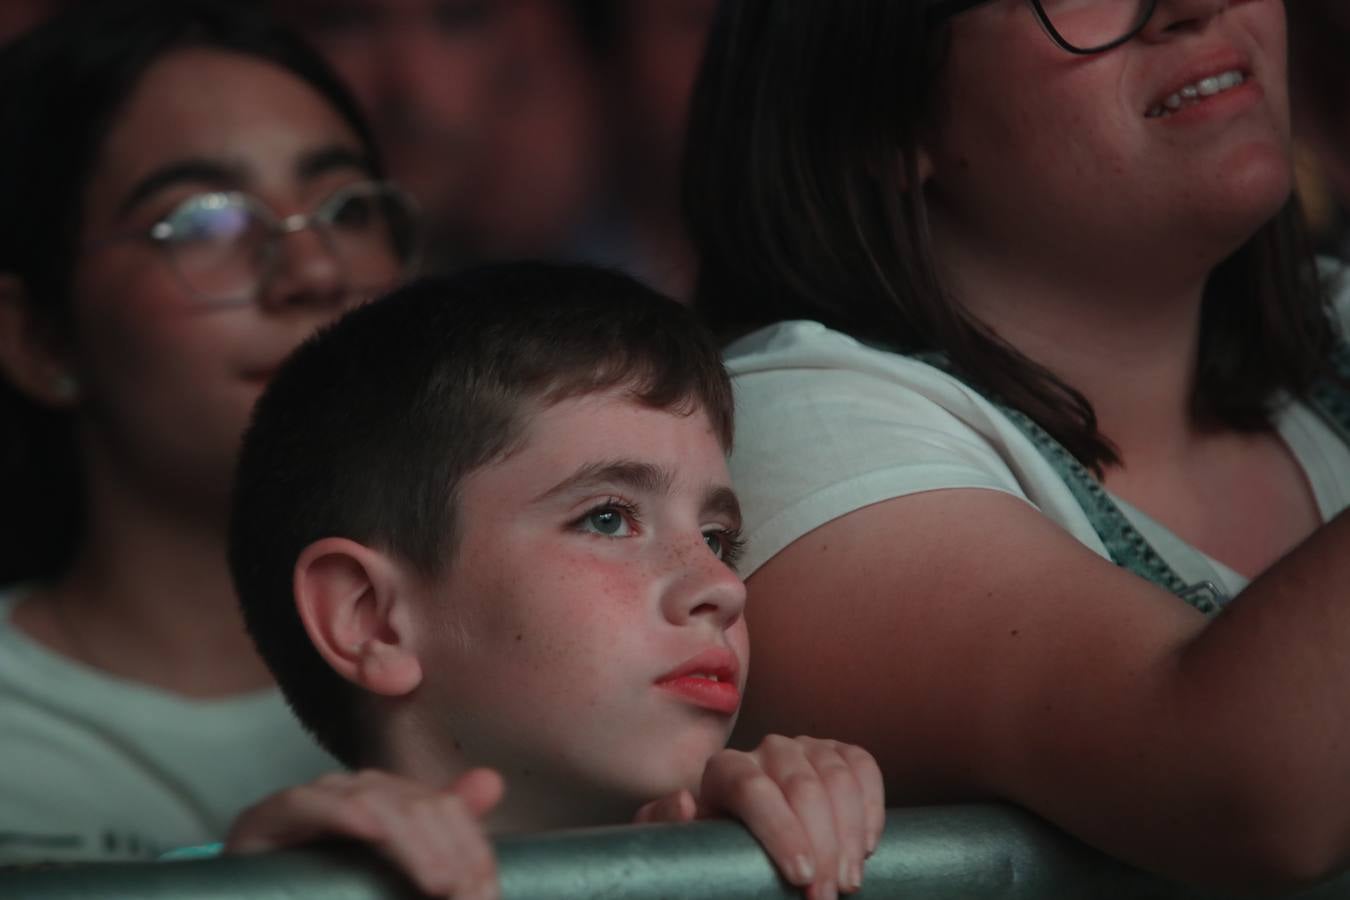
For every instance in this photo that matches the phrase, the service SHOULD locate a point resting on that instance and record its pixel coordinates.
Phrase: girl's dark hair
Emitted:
(62, 85)
(801, 145)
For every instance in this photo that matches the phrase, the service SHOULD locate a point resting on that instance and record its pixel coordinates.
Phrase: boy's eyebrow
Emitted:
(637, 476)
(722, 501)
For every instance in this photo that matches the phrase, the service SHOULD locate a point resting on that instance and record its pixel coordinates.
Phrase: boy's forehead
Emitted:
(591, 430)
(615, 407)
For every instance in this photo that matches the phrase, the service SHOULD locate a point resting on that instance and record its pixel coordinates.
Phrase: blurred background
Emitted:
(553, 128)
(528, 128)
(524, 128)
(1319, 72)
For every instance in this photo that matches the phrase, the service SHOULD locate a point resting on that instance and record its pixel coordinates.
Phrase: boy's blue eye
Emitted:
(607, 521)
(726, 545)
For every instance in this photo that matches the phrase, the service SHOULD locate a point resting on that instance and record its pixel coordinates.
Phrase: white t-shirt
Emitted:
(94, 767)
(826, 425)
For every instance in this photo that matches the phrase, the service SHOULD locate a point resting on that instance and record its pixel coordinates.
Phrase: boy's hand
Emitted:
(432, 835)
(818, 807)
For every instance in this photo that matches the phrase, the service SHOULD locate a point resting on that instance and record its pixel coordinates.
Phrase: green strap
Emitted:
(1331, 398)
(1126, 546)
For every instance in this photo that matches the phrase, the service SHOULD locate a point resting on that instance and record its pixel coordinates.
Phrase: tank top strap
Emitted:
(1124, 544)
(1330, 396)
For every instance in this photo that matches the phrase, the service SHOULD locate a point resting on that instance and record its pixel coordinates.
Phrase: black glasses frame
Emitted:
(939, 11)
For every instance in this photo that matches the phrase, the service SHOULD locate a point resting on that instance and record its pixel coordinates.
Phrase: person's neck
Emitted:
(535, 800)
(544, 803)
(148, 597)
(1126, 338)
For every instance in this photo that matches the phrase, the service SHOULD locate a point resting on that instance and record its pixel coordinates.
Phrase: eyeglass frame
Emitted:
(160, 234)
(939, 11)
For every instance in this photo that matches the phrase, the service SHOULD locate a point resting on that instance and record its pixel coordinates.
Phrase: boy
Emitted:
(488, 521)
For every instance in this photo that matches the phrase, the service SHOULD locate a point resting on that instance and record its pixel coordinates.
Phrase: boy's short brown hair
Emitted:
(368, 429)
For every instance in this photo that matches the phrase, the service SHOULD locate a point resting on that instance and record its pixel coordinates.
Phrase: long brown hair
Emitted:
(799, 211)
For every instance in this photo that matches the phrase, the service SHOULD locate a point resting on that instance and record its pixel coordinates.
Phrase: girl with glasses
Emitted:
(189, 193)
(1043, 414)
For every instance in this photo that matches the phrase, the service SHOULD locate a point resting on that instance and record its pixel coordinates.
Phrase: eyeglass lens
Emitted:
(224, 244)
(1088, 25)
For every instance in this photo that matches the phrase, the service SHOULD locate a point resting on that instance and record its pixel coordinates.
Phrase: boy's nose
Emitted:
(706, 589)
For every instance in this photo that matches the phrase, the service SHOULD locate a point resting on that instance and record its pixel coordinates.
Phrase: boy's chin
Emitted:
(690, 780)
(623, 793)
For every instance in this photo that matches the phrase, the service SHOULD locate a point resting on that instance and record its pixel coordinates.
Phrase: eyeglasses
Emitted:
(1078, 26)
(226, 245)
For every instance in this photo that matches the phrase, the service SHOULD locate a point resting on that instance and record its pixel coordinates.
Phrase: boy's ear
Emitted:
(28, 356)
(355, 604)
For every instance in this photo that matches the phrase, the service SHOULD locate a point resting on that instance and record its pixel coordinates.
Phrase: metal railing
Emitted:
(927, 853)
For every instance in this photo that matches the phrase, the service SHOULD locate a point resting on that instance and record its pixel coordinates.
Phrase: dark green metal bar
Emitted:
(933, 853)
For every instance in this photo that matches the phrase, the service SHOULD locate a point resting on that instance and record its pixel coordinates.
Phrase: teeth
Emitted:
(1191, 93)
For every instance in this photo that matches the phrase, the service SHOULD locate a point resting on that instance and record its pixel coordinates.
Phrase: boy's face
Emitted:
(570, 641)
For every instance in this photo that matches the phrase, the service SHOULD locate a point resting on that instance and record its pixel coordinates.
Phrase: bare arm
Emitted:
(979, 651)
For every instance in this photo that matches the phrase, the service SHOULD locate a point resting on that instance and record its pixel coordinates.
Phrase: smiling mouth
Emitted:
(1199, 92)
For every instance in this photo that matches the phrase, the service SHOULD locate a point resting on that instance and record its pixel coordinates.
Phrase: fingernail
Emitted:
(828, 891)
(804, 871)
(856, 875)
(844, 874)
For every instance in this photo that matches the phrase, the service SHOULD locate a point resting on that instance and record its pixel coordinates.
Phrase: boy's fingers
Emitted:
(677, 807)
(788, 764)
(736, 783)
(476, 878)
(873, 786)
(433, 836)
(480, 789)
(296, 816)
(438, 844)
(416, 848)
(446, 852)
(845, 796)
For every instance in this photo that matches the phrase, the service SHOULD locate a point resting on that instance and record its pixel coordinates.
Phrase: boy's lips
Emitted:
(708, 680)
